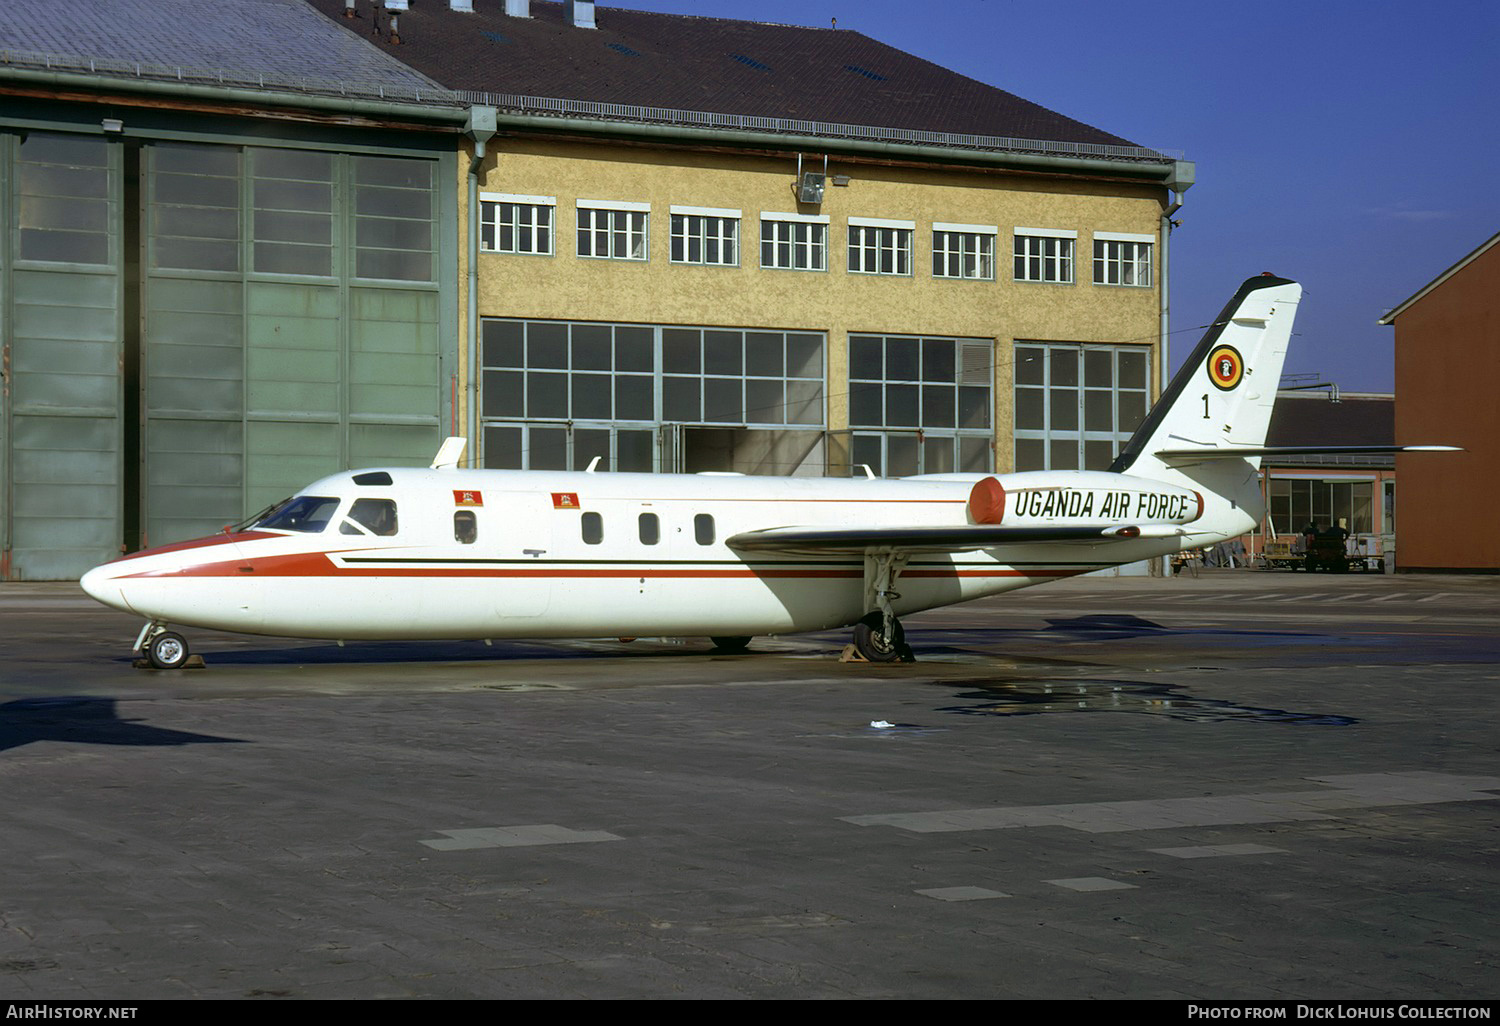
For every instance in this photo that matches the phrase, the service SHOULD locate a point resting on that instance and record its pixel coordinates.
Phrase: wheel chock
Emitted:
(851, 655)
(193, 662)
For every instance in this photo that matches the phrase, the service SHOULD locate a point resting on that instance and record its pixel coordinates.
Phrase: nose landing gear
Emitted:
(163, 649)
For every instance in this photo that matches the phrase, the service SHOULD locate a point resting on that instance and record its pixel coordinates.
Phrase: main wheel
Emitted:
(871, 641)
(731, 645)
(167, 651)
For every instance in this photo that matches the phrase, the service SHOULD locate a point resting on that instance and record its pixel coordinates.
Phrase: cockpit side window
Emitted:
(465, 527)
(306, 513)
(376, 516)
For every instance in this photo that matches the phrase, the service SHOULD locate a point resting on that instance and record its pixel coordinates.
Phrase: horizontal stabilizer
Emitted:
(1244, 452)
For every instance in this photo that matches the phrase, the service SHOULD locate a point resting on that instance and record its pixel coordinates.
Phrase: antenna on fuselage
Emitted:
(450, 453)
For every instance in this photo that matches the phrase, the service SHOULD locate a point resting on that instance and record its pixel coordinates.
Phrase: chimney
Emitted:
(395, 8)
(581, 13)
(461, 6)
(518, 8)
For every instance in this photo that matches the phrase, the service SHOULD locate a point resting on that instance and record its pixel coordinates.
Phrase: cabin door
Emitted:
(522, 526)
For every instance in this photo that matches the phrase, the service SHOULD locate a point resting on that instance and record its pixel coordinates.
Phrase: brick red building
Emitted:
(1447, 362)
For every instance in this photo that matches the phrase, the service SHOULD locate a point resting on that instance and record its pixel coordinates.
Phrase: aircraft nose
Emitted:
(102, 585)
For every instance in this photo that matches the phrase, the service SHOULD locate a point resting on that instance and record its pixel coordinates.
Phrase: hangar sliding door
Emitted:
(60, 311)
(290, 327)
(194, 330)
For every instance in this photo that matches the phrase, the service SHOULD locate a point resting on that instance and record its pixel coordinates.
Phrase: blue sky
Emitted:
(1353, 145)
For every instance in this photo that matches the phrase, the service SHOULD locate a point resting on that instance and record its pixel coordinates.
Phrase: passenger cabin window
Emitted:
(650, 529)
(370, 516)
(306, 513)
(703, 529)
(593, 528)
(465, 527)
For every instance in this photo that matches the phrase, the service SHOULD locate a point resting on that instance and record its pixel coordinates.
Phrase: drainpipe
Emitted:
(1181, 181)
(1182, 178)
(480, 127)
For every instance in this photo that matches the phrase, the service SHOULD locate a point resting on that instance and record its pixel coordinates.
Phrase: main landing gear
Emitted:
(163, 649)
(878, 636)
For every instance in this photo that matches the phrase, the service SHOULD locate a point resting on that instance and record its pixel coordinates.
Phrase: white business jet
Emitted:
(407, 553)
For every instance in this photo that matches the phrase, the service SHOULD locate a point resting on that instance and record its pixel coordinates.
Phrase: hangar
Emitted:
(223, 273)
(253, 245)
(788, 249)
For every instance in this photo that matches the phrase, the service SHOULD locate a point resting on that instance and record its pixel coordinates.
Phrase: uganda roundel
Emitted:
(1226, 367)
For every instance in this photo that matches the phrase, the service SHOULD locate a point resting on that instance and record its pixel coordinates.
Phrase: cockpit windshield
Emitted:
(306, 513)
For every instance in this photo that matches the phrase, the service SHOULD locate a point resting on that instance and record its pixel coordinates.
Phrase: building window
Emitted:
(613, 231)
(292, 194)
(1122, 259)
(963, 251)
(880, 247)
(1297, 502)
(921, 405)
(704, 236)
(394, 229)
(555, 394)
(66, 206)
(517, 224)
(1044, 254)
(793, 242)
(195, 207)
(1076, 406)
(751, 378)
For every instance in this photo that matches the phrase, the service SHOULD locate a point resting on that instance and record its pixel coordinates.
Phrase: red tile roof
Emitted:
(715, 65)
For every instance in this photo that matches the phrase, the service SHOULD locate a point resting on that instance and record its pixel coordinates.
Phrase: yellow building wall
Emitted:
(836, 302)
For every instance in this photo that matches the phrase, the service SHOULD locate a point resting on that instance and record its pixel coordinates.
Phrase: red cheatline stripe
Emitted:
(319, 565)
(200, 543)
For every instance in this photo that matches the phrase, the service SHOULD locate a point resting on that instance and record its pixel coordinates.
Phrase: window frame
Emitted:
(492, 223)
(636, 230)
(814, 248)
(1054, 256)
(702, 220)
(1110, 255)
(981, 235)
(932, 398)
(1058, 406)
(880, 241)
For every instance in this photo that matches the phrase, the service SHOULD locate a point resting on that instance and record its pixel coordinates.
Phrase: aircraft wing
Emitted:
(956, 538)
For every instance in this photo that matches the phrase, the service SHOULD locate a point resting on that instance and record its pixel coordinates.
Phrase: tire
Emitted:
(871, 642)
(167, 651)
(732, 646)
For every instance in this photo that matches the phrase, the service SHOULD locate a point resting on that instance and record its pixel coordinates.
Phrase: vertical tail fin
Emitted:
(1221, 397)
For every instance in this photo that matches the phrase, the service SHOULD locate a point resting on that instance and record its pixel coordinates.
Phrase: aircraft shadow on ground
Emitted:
(396, 652)
(933, 642)
(1032, 697)
(86, 720)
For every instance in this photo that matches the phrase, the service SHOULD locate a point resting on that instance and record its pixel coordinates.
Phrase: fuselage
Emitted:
(414, 553)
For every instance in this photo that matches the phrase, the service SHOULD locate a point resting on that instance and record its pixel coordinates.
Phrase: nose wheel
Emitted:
(163, 649)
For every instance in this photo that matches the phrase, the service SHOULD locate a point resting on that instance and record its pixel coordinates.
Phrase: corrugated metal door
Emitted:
(60, 290)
